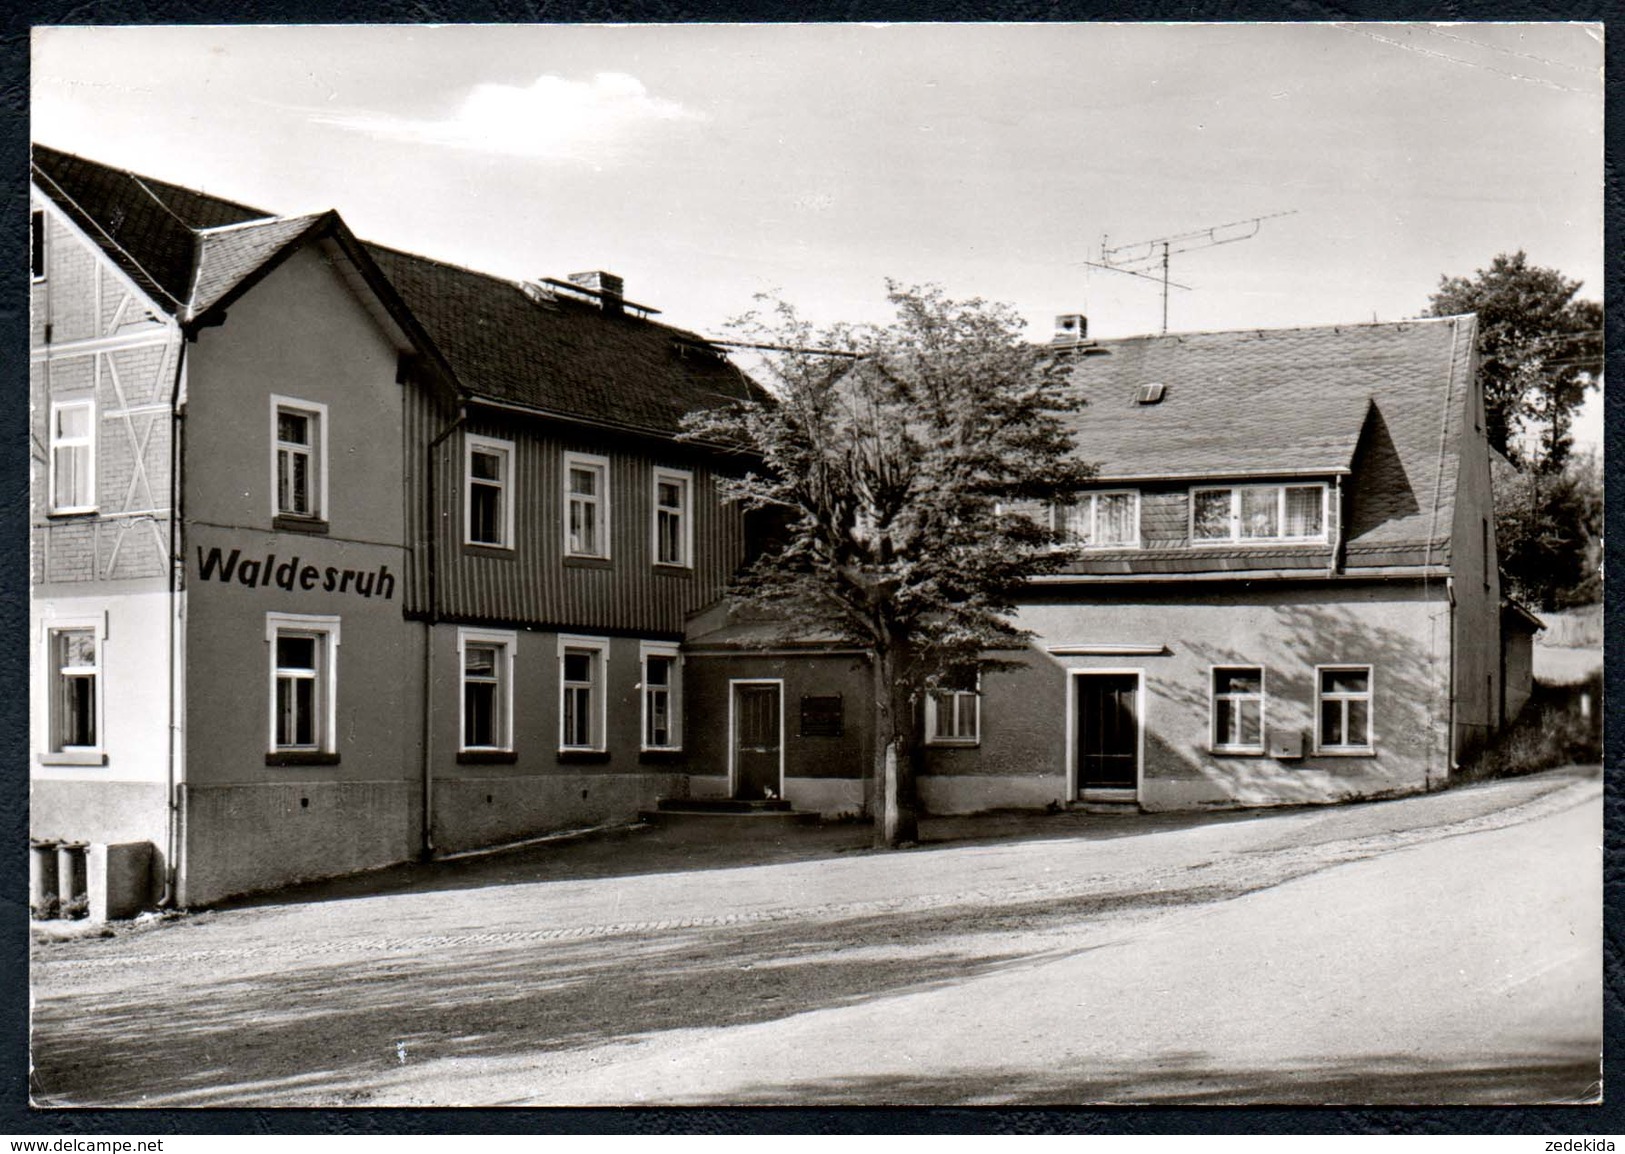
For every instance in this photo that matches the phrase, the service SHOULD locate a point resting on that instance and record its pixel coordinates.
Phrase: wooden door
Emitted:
(1108, 731)
(756, 741)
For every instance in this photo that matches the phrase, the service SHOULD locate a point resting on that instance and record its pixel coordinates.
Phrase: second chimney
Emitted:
(1070, 328)
(606, 284)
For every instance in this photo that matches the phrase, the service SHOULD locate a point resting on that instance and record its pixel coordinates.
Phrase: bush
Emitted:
(1551, 731)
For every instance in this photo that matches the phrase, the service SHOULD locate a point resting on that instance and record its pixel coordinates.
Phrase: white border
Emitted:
(1213, 745)
(318, 452)
(510, 489)
(327, 625)
(1073, 790)
(733, 729)
(646, 650)
(599, 645)
(508, 640)
(1367, 750)
(660, 473)
(602, 465)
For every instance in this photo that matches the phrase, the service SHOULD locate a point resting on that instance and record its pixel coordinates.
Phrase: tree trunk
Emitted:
(895, 815)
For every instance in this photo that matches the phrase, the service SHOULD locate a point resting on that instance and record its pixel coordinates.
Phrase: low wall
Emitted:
(239, 839)
(472, 812)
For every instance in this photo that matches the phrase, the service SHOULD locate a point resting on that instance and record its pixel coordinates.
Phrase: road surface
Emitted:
(1440, 949)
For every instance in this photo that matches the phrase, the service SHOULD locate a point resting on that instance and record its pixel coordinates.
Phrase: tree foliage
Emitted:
(1548, 530)
(886, 454)
(1539, 351)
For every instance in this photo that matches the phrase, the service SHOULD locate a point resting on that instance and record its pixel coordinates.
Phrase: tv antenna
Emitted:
(1142, 258)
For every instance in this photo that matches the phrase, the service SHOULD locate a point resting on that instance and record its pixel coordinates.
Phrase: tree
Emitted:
(886, 454)
(1539, 351)
(1548, 531)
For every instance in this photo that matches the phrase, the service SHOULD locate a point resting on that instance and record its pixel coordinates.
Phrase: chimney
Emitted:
(606, 285)
(1070, 329)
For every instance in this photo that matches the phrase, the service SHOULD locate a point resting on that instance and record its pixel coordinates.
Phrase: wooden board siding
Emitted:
(535, 584)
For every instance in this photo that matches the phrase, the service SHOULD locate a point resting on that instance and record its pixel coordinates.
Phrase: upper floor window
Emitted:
(1238, 709)
(299, 466)
(673, 532)
(1343, 709)
(73, 457)
(1099, 519)
(486, 706)
(953, 717)
(488, 491)
(586, 505)
(36, 244)
(1259, 513)
(75, 676)
(581, 706)
(304, 682)
(662, 696)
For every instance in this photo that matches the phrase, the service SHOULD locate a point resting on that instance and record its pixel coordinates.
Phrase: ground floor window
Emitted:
(662, 697)
(486, 704)
(304, 680)
(582, 697)
(953, 717)
(1343, 708)
(75, 674)
(1238, 709)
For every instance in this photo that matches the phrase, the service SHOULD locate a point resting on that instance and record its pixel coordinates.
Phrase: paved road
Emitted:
(1437, 949)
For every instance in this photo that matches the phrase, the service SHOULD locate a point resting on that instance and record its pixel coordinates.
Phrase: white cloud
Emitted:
(551, 118)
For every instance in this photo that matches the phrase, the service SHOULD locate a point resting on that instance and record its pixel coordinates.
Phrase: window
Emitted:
(1259, 513)
(299, 464)
(75, 677)
(73, 457)
(304, 677)
(581, 692)
(662, 697)
(672, 527)
(488, 492)
(485, 719)
(1238, 709)
(1344, 709)
(1099, 519)
(36, 245)
(586, 505)
(952, 717)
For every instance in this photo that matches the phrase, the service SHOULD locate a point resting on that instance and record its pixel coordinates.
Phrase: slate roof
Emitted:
(553, 353)
(1382, 403)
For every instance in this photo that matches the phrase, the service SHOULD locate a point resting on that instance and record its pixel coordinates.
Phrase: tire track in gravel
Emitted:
(1234, 874)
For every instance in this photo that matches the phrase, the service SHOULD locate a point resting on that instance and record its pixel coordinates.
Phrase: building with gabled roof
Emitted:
(342, 555)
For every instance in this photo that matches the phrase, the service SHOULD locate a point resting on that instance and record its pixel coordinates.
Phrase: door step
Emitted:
(1092, 805)
(721, 805)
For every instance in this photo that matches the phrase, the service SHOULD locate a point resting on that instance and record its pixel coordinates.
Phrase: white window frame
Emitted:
(674, 695)
(87, 443)
(41, 250)
(472, 443)
(1236, 538)
(598, 703)
(53, 751)
(1215, 745)
(1369, 697)
(685, 534)
(506, 643)
(317, 413)
(1058, 514)
(933, 704)
(326, 629)
(601, 501)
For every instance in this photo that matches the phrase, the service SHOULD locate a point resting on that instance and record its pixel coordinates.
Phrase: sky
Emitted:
(706, 164)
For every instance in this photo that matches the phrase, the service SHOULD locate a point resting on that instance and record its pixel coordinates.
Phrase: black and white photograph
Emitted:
(815, 565)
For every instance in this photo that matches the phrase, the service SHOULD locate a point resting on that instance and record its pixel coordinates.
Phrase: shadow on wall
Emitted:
(1407, 728)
